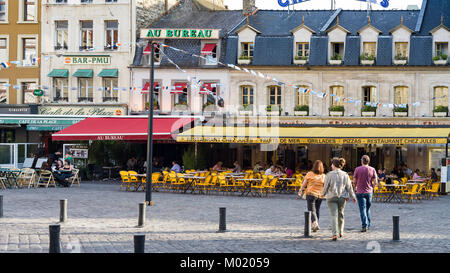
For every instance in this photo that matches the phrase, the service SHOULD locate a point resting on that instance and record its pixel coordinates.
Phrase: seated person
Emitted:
(382, 174)
(434, 176)
(62, 172)
(218, 166)
(416, 175)
(237, 168)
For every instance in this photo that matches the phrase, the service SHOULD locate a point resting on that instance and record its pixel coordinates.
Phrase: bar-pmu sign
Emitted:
(285, 3)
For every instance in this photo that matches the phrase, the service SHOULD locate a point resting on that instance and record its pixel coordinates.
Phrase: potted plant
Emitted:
(181, 106)
(336, 110)
(440, 111)
(401, 111)
(246, 110)
(368, 111)
(244, 59)
(301, 110)
(440, 59)
(400, 59)
(367, 59)
(300, 59)
(155, 105)
(336, 59)
(273, 110)
(209, 108)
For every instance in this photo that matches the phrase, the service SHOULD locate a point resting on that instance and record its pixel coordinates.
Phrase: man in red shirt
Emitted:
(365, 179)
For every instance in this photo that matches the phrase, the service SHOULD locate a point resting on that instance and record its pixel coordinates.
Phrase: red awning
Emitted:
(147, 84)
(178, 88)
(121, 129)
(208, 49)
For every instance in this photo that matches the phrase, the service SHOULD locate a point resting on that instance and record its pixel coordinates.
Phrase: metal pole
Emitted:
(55, 246)
(307, 232)
(222, 219)
(1, 206)
(148, 188)
(141, 220)
(63, 210)
(139, 243)
(396, 231)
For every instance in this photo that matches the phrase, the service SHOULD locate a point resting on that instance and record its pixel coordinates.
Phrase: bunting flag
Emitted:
(6, 64)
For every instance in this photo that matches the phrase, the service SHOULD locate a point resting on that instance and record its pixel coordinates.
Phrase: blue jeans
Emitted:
(364, 203)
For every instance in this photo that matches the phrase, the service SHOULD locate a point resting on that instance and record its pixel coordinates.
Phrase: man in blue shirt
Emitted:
(175, 167)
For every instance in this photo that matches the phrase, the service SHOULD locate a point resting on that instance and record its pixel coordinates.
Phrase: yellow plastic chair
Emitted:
(125, 180)
(134, 180)
(259, 188)
(411, 194)
(433, 192)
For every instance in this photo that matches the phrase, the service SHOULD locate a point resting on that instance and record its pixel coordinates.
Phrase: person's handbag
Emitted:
(304, 192)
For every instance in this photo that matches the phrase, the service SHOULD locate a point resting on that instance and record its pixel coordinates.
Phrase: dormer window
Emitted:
(337, 36)
(401, 51)
(303, 50)
(302, 36)
(247, 36)
(337, 51)
(401, 36)
(209, 52)
(247, 50)
(441, 39)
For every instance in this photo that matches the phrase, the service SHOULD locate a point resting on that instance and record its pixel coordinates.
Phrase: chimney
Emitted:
(247, 7)
(166, 5)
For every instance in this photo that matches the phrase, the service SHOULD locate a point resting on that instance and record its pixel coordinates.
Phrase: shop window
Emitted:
(85, 90)
(302, 50)
(27, 89)
(401, 51)
(3, 92)
(4, 56)
(60, 89)
(338, 92)
(61, 35)
(4, 11)
(247, 94)
(274, 95)
(112, 35)
(110, 90)
(441, 96)
(302, 98)
(87, 35)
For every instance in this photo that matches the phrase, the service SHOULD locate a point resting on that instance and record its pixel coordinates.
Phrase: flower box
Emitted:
(400, 62)
(335, 62)
(368, 114)
(440, 114)
(300, 113)
(273, 113)
(244, 61)
(180, 107)
(245, 113)
(301, 62)
(367, 62)
(400, 114)
(336, 113)
(440, 62)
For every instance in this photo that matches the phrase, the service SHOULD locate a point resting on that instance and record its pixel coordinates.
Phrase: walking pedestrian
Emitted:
(312, 187)
(365, 179)
(337, 190)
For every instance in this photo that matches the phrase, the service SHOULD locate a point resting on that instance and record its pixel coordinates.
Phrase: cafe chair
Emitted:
(134, 179)
(27, 178)
(74, 179)
(156, 180)
(2, 183)
(411, 194)
(259, 188)
(125, 180)
(433, 192)
(47, 179)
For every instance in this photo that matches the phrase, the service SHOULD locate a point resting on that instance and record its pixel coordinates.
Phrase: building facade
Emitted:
(318, 68)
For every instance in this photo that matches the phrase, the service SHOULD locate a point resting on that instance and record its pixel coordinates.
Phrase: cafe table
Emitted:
(248, 184)
(190, 183)
(394, 193)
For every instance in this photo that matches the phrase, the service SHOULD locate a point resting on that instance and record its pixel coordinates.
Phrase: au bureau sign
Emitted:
(73, 110)
(188, 33)
(88, 60)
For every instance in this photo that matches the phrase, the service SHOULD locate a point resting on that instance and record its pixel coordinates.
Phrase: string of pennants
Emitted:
(203, 87)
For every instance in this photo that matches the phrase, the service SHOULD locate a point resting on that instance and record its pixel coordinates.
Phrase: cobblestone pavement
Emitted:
(103, 219)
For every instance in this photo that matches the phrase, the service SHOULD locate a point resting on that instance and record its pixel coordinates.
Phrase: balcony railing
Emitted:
(58, 47)
(59, 99)
(83, 99)
(113, 99)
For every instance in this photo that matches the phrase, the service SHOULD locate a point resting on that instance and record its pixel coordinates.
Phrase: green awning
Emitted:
(84, 73)
(59, 73)
(109, 73)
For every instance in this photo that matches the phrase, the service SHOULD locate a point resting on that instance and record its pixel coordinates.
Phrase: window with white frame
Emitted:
(29, 51)
(441, 96)
(401, 51)
(4, 52)
(111, 35)
(337, 51)
(3, 92)
(61, 34)
(338, 92)
(441, 49)
(274, 95)
(87, 35)
(209, 52)
(85, 90)
(61, 89)
(29, 10)
(3, 10)
(111, 89)
(27, 89)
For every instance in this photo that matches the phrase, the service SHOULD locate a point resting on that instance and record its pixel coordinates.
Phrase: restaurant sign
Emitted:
(87, 59)
(187, 33)
(71, 110)
(268, 140)
(39, 121)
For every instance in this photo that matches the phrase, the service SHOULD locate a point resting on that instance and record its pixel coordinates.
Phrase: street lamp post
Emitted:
(148, 188)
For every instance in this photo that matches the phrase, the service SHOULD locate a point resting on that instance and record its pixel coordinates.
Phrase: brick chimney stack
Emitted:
(248, 6)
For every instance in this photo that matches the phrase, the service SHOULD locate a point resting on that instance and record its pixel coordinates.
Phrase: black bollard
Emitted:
(1, 206)
(307, 225)
(139, 243)
(396, 230)
(55, 246)
(222, 219)
(63, 210)
(141, 220)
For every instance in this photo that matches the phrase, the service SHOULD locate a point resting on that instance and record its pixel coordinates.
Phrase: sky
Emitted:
(325, 4)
